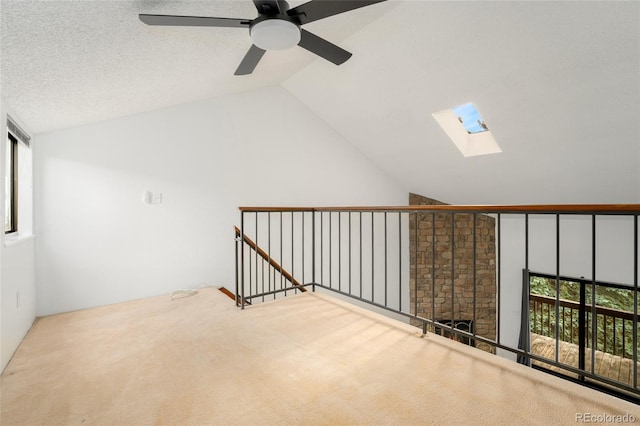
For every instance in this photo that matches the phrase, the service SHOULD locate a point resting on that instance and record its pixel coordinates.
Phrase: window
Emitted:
(467, 130)
(470, 118)
(11, 186)
(18, 201)
(572, 325)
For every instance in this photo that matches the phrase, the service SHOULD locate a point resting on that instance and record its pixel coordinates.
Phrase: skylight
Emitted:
(470, 118)
(467, 130)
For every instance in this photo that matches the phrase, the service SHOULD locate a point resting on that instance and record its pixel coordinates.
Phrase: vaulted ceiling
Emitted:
(558, 84)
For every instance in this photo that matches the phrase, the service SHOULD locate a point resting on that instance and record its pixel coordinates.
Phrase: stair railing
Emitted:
(439, 265)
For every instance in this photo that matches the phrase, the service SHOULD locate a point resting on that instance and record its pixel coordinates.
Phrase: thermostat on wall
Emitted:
(149, 197)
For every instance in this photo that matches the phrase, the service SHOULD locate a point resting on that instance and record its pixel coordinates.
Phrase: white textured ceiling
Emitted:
(558, 84)
(68, 63)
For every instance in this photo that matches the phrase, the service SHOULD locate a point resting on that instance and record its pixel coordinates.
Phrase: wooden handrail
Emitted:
(229, 294)
(269, 259)
(531, 208)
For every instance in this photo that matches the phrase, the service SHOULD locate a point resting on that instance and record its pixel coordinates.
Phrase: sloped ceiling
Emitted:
(68, 63)
(558, 84)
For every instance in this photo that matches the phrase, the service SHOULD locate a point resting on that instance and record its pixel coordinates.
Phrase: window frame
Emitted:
(12, 175)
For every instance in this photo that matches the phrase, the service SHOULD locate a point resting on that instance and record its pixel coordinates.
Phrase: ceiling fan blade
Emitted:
(271, 7)
(323, 48)
(194, 21)
(320, 9)
(250, 60)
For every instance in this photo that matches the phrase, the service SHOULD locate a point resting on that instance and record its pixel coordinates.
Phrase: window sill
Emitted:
(14, 240)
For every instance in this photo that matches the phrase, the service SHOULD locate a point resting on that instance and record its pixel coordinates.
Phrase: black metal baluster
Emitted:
(238, 247)
(330, 255)
(360, 252)
(635, 301)
(475, 283)
(269, 250)
(453, 273)
(400, 261)
(594, 317)
(304, 264)
(339, 251)
(582, 329)
(386, 275)
(350, 253)
(499, 277)
(322, 248)
(415, 264)
(433, 267)
(557, 307)
(313, 249)
(256, 250)
(242, 258)
(292, 250)
(527, 347)
(373, 281)
(282, 255)
(249, 268)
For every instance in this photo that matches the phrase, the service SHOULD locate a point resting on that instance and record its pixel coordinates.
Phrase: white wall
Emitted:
(3, 150)
(99, 244)
(17, 255)
(614, 256)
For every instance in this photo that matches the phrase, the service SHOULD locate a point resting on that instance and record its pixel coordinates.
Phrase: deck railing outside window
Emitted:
(614, 327)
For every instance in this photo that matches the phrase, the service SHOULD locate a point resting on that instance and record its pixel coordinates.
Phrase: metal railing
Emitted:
(437, 265)
(269, 277)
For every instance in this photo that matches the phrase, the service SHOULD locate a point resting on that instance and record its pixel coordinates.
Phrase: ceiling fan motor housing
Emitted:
(275, 32)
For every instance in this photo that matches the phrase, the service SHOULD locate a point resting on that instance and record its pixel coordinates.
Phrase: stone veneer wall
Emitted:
(463, 258)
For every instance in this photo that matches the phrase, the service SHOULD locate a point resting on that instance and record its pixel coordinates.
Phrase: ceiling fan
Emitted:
(276, 28)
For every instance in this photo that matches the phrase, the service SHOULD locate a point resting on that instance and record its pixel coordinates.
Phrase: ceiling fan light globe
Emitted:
(275, 34)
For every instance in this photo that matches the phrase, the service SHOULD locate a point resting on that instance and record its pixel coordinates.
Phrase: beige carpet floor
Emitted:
(306, 359)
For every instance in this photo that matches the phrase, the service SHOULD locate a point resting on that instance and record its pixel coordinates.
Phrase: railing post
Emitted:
(242, 260)
(524, 341)
(235, 241)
